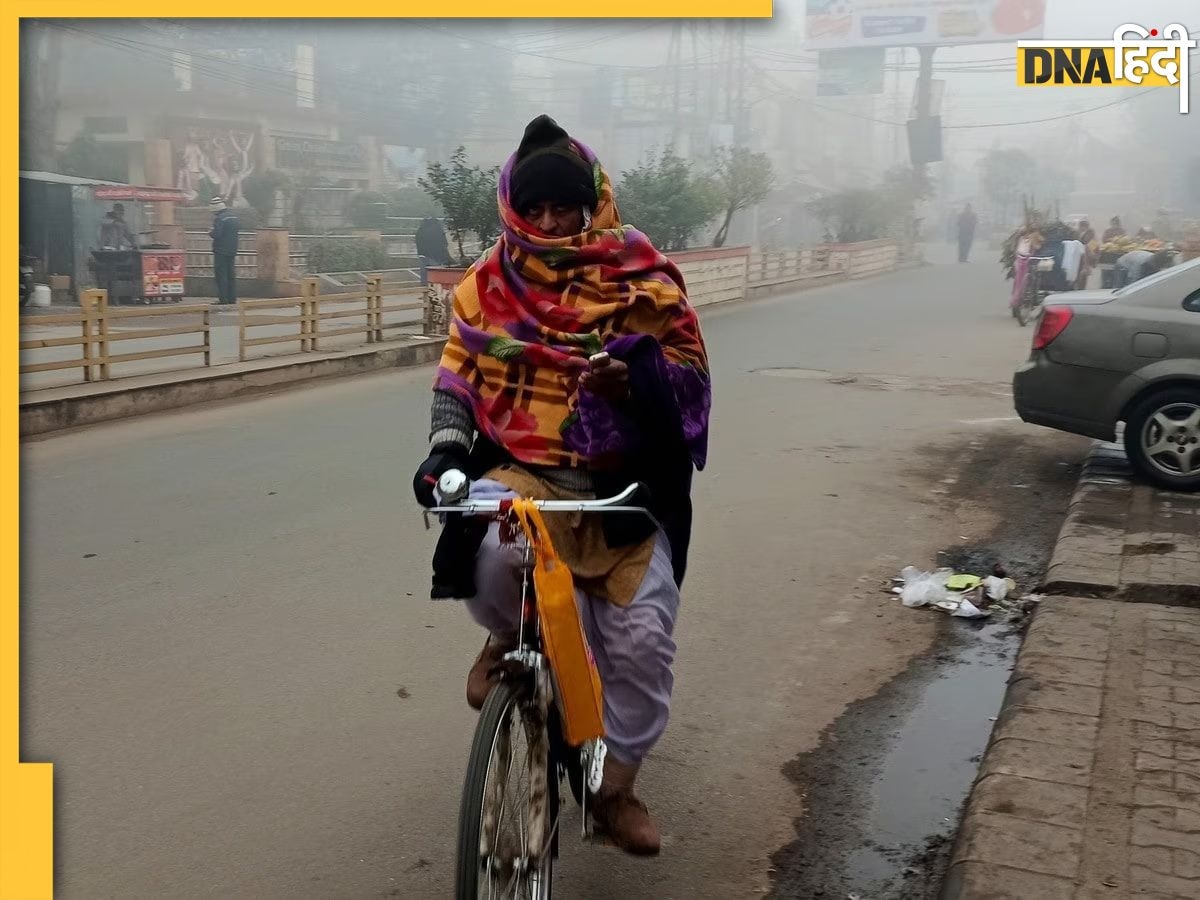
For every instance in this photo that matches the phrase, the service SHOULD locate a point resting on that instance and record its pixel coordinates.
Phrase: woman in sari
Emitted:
(519, 406)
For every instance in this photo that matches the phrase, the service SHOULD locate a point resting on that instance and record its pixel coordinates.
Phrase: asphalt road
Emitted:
(228, 653)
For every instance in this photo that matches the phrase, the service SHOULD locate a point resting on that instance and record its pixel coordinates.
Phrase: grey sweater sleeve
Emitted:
(450, 421)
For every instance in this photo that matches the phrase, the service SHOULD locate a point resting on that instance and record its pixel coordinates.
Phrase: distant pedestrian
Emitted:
(224, 247)
(432, 247)
(1113, 231)
(967, 220)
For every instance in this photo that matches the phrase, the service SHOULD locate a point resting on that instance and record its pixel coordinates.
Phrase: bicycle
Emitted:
(1030, 303)
(520, 713)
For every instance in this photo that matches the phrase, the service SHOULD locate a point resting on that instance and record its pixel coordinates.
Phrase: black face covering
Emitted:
(549, 170)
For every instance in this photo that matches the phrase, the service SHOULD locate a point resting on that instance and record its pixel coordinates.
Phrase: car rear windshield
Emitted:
(1160, 275)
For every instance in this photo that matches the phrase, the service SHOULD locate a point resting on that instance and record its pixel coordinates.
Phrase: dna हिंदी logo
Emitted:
(1135, 57)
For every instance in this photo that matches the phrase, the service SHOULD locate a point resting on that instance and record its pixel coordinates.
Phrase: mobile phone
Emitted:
(598, 360)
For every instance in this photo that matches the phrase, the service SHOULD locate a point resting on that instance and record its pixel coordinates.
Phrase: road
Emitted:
(229, 656)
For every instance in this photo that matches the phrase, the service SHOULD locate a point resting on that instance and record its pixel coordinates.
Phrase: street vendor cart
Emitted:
(154, 274)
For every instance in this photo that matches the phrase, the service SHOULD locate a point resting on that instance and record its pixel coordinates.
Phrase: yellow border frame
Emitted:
(27, 789)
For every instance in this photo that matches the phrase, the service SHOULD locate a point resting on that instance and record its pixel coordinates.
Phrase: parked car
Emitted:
(1131, 355)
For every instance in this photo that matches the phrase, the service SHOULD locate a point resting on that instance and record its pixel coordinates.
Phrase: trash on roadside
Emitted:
(998, 588)
(968, 610)
(959, 594)
(923, 588)
(960, 582)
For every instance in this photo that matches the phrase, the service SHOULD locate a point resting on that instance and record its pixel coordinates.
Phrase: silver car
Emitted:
(1131, 355)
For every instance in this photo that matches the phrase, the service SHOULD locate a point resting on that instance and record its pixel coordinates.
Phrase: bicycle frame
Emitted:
(528, 661)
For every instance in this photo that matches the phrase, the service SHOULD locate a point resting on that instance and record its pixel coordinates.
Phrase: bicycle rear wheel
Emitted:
(509, 810)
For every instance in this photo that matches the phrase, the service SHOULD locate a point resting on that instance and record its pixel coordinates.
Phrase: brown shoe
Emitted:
(622, 817)
(485, 673)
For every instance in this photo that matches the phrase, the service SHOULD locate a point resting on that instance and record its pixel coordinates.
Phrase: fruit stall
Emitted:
(1113, 250)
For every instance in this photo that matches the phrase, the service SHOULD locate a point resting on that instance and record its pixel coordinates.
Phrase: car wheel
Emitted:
(1162, 437)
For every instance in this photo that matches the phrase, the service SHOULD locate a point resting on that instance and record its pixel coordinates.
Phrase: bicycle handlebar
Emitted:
(456, 483)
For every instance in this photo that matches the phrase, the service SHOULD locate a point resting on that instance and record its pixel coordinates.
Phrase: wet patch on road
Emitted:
(883, 382)
(883, 789)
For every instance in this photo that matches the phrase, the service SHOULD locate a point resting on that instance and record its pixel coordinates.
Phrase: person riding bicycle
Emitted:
(574, 367)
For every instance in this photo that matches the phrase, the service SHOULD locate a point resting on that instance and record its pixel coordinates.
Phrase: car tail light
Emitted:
(1054, 321)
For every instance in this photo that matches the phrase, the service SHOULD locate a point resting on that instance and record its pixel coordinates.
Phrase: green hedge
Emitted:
(347, 255)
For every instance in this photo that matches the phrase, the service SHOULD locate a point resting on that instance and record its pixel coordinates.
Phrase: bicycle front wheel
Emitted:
(509, 806)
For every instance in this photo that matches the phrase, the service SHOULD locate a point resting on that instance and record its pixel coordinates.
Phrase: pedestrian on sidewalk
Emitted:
(967, 220)
(224, 248)
(432, 247)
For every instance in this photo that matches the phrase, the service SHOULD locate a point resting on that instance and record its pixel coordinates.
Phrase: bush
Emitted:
(347, 255)
(856, 214)
(367, 209)
(260, 189)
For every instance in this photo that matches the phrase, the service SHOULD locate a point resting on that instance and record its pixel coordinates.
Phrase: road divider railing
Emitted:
(810, 266)
(776, 268)
(303, 320)
(97, 339)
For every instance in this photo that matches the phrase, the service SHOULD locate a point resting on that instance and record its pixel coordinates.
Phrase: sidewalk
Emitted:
(1091, 783)
(1090, 786)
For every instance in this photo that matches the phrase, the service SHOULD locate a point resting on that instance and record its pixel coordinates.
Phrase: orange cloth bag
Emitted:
(580, 694)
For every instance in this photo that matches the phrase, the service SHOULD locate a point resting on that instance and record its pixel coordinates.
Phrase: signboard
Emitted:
(925, 140)
(163, 272)
(834, 24)
(147, 194)
(318, 155)
(855, 71)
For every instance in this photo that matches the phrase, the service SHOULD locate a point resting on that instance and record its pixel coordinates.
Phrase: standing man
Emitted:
(224, 247)
(967, 220)
(432, 247)
(1113, 231)
(115, 233)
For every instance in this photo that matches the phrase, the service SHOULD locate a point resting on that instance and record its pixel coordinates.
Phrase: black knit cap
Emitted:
(549, 170)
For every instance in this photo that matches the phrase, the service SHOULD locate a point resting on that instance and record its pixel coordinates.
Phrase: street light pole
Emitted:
(924, 94)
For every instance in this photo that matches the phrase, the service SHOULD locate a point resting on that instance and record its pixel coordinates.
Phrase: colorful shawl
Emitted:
(532, 310)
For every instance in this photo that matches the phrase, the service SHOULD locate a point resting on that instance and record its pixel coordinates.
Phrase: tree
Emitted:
(1053, 183)
(86, 157)
(260, 190)
(467, 194)
(412, 203)
(1006, 172)
(664, 198)
(856, 214)
(743, 178)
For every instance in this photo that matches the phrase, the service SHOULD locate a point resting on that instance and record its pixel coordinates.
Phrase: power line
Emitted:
(783, 89)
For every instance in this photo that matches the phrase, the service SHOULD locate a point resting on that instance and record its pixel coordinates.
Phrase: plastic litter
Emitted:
(959, 594)
(923, 588)
(998, 588)
(968, 610)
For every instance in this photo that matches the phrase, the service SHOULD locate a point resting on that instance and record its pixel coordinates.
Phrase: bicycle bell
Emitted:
(453, 486)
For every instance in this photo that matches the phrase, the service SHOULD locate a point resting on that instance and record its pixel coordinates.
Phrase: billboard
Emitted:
(833, 24)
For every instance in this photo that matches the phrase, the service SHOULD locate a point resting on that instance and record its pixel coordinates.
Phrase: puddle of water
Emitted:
(932, 757)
